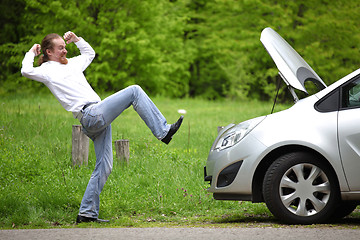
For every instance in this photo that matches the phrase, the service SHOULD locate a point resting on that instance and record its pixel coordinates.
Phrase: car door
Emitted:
(349, 132)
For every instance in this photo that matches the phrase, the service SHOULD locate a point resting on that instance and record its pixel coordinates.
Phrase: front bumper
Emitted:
(230, 171)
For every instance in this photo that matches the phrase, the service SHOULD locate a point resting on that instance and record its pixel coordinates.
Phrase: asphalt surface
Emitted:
(267, 233)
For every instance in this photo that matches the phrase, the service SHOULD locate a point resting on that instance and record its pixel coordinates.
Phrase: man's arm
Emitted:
(87, 52)
(27, 69)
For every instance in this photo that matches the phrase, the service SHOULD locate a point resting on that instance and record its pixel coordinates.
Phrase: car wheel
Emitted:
(300, 189)
(343, 209)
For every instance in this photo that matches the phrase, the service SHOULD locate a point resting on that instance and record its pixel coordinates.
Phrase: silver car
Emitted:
(303, 162)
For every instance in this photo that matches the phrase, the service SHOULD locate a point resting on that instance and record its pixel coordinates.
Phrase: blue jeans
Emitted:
(96, 123)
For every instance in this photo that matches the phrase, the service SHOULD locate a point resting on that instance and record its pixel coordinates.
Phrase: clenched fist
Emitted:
(70, 37)
(36, 48)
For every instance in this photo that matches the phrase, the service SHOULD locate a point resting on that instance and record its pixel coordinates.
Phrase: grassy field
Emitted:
(162, 186)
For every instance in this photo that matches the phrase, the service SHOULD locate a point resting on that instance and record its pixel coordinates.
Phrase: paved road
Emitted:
(182, 233)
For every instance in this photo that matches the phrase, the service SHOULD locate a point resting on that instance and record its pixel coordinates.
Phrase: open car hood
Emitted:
(292, 67)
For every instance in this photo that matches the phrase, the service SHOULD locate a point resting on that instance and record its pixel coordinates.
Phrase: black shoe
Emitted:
(81, 219)
(173, 129)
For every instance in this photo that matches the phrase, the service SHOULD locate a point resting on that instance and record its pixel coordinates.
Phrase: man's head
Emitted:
(53, 48)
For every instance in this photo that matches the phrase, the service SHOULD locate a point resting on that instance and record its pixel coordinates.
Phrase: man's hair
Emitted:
(47, 43)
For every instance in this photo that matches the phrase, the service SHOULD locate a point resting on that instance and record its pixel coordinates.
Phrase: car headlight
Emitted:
(234, 134)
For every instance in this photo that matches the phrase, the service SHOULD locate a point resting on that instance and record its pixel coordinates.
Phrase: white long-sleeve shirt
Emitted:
(66, 81)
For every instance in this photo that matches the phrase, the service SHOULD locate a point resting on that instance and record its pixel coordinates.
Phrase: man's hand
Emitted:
(36, 48)
(70, 37)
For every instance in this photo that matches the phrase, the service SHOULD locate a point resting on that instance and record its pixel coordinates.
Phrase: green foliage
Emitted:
(231, 59)
(330, 44)
(141, 45)
(184, 48)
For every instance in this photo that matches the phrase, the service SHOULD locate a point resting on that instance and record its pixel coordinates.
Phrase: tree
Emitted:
(141, 43)
(137, 42)
(207, 48)
(230, 58)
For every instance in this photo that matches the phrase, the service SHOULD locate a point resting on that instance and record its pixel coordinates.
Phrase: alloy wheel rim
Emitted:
(304, 189)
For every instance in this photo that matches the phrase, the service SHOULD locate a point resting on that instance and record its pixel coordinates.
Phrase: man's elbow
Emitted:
(23, 72)
(92, 55)
(26, 72)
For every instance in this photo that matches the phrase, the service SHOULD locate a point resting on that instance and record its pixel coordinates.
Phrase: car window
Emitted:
(329, 103)
(351, 94)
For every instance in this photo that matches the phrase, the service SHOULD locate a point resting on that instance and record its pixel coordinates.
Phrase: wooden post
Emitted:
(80, 146)
(122, 150)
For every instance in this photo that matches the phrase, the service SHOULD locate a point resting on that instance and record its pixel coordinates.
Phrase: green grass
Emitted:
(162, 186)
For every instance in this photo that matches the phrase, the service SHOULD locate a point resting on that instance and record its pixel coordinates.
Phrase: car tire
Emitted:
(343, 209)
(298, 188)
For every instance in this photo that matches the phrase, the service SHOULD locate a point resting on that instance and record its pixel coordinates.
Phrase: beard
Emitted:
(63, 59)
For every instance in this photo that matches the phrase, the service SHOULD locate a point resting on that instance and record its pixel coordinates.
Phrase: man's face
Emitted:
(58, 52)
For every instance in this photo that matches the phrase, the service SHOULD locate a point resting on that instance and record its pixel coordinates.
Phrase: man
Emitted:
(65, 79)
